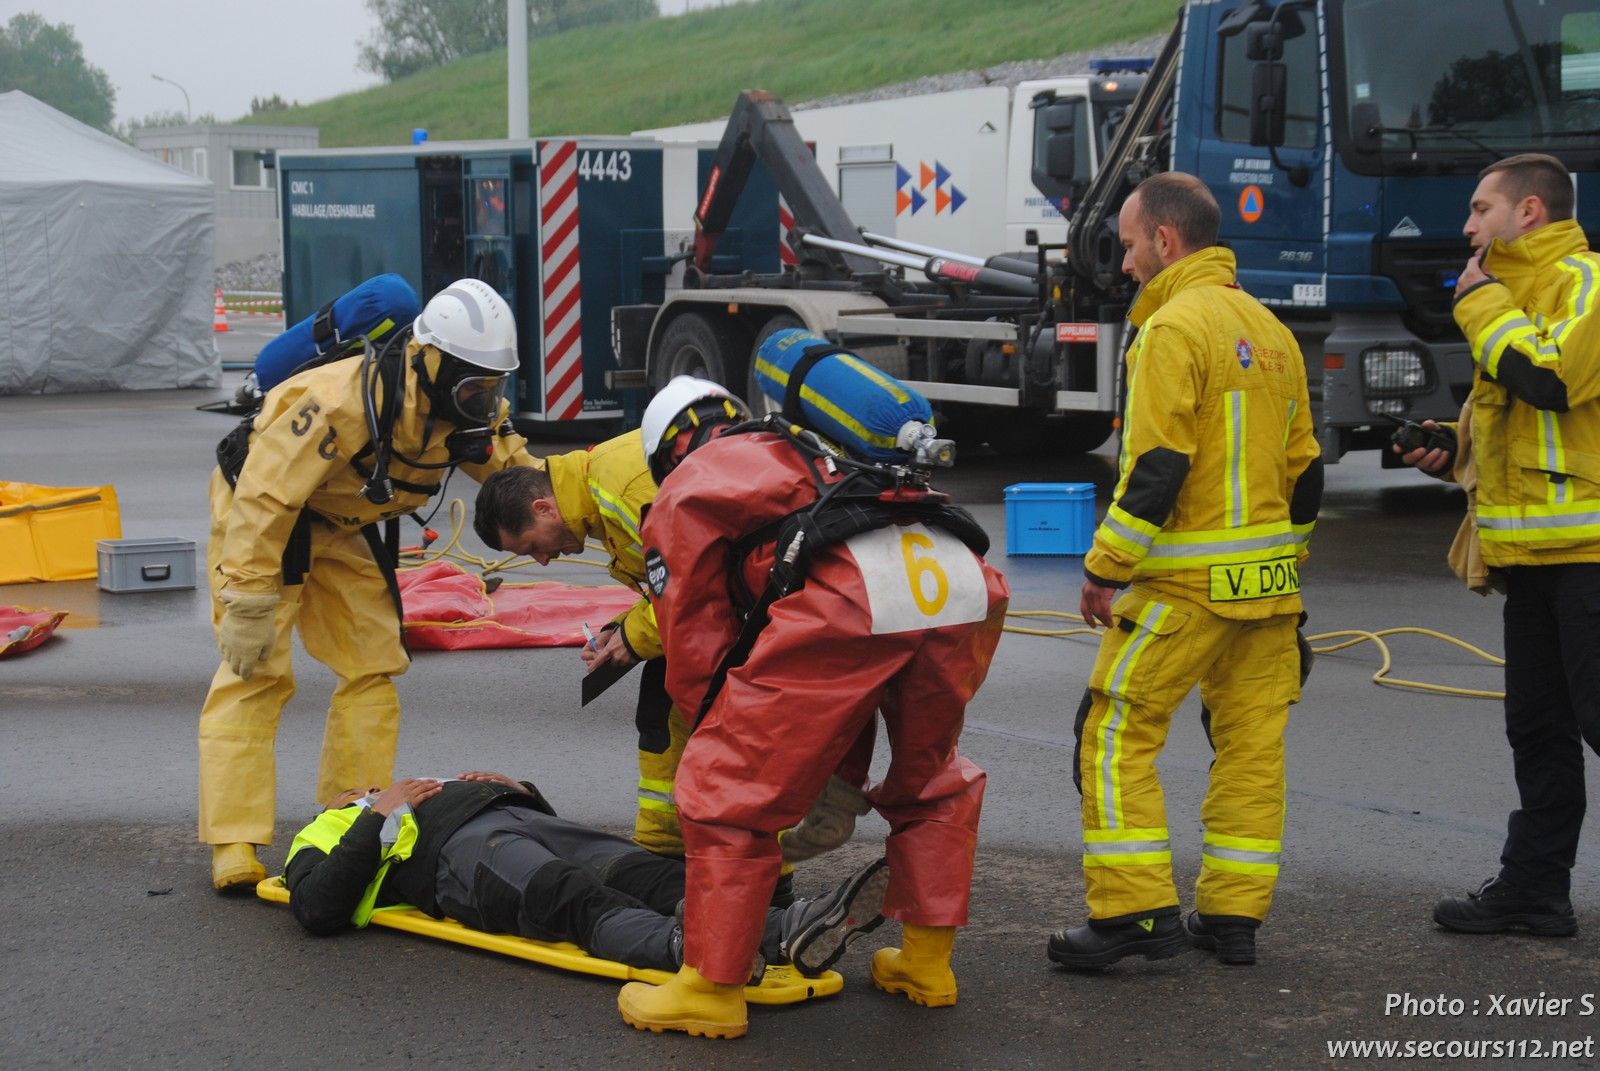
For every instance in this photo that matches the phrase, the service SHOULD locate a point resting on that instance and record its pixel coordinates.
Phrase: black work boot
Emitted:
(1231, 937)
(783, 892)
(1499, 906)
(1100, 944)
(816, 932)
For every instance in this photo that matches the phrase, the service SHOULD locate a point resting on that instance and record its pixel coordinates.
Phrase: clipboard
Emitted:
(599, 680)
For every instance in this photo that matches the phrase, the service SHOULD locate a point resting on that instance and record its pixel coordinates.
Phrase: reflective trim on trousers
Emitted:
(1150, 618)
(656, 796)
(1240, 855)
(1126, 847)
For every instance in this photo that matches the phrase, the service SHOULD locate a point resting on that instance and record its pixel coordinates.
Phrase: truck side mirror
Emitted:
(1242, 16)
(1366, 127)
(1268, 110)
(1263, 41)
(1055, 132)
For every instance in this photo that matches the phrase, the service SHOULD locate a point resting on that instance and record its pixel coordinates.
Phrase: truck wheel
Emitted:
(1015, 434)
(757, 399)
(1079, 433)
(1021, 434)
(699, 344)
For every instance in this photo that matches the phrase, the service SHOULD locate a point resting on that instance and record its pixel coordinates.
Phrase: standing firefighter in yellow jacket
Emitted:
(296, 503)
(1528, 303)
(1219, 486)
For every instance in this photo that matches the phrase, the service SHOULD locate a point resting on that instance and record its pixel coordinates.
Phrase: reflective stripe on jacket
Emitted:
(1220, 477)
(1534, 329)
(328, 829)
(601, 493)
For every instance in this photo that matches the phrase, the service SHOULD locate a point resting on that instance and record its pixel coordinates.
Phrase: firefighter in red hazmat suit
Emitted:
(900, 616)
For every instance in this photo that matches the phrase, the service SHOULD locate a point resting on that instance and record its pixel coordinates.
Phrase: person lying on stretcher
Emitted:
(491, 853)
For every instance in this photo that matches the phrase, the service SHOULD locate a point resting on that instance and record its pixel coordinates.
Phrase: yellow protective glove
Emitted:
(248, 632)
(830, 822)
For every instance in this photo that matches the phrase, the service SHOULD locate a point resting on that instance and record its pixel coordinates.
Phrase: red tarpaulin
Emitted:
(447, 609)
(23, 630)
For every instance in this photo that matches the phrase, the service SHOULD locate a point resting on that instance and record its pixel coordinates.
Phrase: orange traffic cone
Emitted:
(219, 320)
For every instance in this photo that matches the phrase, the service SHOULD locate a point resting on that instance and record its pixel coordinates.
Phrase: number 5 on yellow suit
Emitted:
(295, 545)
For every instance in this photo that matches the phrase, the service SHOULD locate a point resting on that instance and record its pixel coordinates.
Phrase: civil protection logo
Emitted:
(1244, 351)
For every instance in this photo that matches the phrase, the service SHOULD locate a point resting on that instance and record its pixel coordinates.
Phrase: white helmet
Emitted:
(679, 398)
(471, 322)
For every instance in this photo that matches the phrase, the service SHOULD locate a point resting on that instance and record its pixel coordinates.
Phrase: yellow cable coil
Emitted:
(1349, 638)
(416, 557)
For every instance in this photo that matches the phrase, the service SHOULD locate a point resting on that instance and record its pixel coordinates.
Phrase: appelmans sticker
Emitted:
(1255, 580)
(655, 571)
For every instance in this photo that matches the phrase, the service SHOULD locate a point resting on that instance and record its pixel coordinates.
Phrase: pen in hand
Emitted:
(588, 637)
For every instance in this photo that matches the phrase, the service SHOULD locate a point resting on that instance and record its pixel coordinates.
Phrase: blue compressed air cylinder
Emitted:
(842, 398)
(364, 310)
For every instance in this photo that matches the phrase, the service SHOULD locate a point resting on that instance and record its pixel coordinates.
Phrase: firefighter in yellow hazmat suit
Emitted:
(295, 543)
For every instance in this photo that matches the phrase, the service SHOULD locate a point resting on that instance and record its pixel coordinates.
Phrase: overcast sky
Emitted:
(223, 52)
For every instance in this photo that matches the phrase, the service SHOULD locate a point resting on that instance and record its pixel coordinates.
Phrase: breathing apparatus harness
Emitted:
(379, 364)
(853, 496)
(473, 445)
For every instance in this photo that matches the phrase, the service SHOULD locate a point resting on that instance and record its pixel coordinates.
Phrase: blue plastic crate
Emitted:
(1049, 518)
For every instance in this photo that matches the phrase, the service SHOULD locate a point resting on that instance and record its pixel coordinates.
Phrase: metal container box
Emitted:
(145, 564)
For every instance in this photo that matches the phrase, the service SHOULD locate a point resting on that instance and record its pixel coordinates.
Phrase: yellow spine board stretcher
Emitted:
(782, 984)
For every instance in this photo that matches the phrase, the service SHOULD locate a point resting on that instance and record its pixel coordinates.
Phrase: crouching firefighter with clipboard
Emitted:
(356, 436)
(800, 588)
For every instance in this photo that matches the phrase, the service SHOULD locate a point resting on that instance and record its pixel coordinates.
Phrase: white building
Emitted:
(231, 157)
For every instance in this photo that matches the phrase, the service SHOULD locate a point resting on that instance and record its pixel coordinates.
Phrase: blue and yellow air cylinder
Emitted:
(841, 397)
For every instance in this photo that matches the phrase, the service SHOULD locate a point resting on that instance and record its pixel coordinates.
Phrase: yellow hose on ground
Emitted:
(416, 557)
(1349, 637)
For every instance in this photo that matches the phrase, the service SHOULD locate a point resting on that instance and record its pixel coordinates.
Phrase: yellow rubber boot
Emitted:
(920, 970)
(688, 1002)
(234, 867)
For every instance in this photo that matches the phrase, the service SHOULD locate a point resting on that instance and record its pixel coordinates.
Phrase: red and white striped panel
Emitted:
(786, 256)
(560, 308)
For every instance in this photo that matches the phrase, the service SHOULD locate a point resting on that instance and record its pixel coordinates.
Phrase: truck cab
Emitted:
(1344, 205)
(1074, 119)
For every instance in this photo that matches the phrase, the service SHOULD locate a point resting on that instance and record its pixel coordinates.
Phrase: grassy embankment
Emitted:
(612, 80)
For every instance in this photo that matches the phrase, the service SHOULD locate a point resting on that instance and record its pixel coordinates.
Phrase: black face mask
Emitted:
(463, 394)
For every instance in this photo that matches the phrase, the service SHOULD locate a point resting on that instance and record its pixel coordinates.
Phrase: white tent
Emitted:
(106, 275)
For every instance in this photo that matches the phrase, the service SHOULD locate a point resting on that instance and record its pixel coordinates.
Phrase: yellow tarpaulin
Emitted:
(49, 533)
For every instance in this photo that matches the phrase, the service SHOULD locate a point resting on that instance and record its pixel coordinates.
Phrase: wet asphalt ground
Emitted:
(117, 953)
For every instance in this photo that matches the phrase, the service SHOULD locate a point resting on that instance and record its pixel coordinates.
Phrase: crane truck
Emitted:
(1342, 139)
(955, 169)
